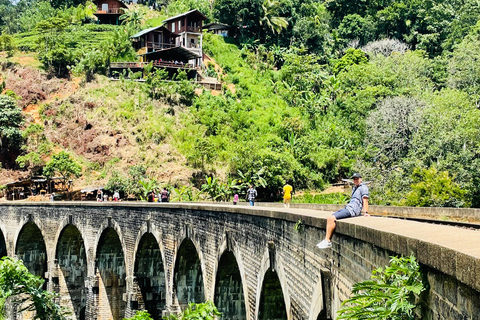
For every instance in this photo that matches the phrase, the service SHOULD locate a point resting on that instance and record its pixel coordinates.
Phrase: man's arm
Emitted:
(365, 206)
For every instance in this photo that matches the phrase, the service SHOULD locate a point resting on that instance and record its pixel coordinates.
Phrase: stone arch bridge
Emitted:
(108, 260)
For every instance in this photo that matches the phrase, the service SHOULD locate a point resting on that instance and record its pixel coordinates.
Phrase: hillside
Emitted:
(303, 100)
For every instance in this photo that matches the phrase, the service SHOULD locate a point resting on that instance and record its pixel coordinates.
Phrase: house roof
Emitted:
(122, 4)
(141, 33)
(176, 53)
(194, 12)
(216, 26)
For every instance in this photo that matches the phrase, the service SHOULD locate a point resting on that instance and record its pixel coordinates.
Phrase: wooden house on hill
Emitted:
(217, 28)
(109, 11)
(177, 44)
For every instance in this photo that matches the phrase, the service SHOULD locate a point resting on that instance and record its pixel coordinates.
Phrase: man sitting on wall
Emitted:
(354, 208)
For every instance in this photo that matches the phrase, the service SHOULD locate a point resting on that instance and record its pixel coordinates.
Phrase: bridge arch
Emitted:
(188, 274)
(269, 270)
(104, 225)
(71, 258)
(229, 244)
(317, 306)
(229, 295)
(30, 247)
(3, 242)
(110, 269)
(149, 275)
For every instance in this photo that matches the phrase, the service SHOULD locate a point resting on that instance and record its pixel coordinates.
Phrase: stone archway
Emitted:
(272, 302)
(31, 249)
(229, 297)
(72, 263)
(188, 278)
(111, 274)
(150, 276)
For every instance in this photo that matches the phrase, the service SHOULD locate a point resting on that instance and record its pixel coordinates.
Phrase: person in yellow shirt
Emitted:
(287, 195)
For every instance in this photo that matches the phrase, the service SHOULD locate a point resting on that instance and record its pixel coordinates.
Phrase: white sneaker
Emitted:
(324, 244)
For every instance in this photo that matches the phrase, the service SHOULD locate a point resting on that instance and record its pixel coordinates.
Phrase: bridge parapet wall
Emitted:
(313, 282)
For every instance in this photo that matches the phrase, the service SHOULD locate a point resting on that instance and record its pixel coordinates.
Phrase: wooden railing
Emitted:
(141, 65)
(112, 10)
(160, 46)
(193, 29)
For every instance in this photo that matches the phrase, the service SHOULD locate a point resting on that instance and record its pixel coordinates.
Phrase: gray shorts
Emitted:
(342, 214)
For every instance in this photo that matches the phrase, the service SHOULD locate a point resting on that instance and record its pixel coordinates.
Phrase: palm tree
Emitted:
(133, 17)
(271, 18)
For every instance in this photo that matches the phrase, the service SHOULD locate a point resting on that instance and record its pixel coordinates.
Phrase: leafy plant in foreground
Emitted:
(16, 281)
(391, 293)
(199, 311)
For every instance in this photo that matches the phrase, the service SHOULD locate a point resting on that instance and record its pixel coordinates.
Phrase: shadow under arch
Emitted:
(188, 278)
(272, 302)
(229, 297)
(72, 261)
(3, 245)
(150, 276)
(111, 273)
(31, 249)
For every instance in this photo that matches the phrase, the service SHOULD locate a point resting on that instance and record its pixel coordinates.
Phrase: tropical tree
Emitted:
(64, 165)
(26, 290)
(148, 185)
(133, 17)
(10, 121)
(271, 18)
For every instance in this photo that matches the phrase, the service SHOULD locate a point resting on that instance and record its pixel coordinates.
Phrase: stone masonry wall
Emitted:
(313, 282)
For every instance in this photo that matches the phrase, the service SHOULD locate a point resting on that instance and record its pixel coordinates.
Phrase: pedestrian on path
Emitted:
(235, 199)
(251, 195)
(358, 202)
(287, 195)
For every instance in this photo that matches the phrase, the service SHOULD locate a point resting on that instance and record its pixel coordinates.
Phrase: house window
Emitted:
(179, 25)
(173, 26)
(105, 7)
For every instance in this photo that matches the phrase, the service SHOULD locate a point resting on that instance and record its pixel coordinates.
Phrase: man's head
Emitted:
(357, 178)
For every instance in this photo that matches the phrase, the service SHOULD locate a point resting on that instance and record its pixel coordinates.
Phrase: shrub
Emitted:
(392, 293)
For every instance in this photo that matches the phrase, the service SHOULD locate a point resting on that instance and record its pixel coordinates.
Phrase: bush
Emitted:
(385, 47)
(431, 188)
(328, 198)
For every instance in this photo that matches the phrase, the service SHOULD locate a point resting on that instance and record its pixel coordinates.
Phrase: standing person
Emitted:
(99, 196)
(164, 195)
(287, 195)
(116, 196)
(235, 199)
(251, 195)
(358, 202)
(150, 196)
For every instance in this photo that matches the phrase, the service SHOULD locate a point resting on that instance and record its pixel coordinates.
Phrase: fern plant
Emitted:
(391, 293)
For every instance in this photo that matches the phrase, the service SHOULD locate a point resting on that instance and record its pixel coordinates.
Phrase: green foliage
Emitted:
(327, 198)
(147, 186)
(11, 119)
(351, 57)
(63, 165)
(30, 160)
(140, 315)
(431, 188)
(7, 44)
(184, 193)
(220, 191)
(117, 183)
(16, 281)
(392, 293)
(198, 311)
